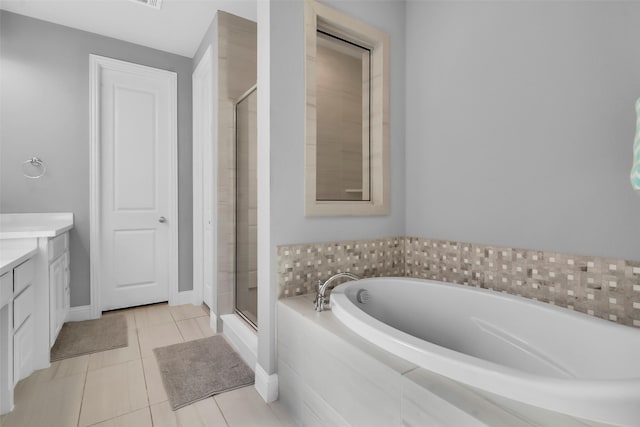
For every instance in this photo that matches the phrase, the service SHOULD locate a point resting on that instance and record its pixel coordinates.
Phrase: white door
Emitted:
(136, 135)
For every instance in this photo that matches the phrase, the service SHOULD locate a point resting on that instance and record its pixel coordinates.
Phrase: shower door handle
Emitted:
(162, 219)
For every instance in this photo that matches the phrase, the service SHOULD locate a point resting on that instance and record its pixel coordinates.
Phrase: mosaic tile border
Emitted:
(603, 287)
(300, 267)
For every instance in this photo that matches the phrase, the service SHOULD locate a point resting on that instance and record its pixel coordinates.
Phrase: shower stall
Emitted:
(246, 204)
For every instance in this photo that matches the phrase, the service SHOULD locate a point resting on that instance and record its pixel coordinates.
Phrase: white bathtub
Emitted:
(518, 348)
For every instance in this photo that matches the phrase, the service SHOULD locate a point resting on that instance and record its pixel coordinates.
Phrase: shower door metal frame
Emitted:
(235, 208)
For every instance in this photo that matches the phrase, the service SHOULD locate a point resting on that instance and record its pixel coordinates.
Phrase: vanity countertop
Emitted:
(12, 257)
(29, 225)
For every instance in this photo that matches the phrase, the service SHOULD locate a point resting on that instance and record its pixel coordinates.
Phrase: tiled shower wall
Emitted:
(602, 287)
(236, 73)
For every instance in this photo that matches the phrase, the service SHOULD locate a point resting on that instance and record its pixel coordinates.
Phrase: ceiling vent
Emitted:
(156, 4)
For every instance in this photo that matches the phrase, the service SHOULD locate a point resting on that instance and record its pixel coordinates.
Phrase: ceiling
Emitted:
(178, 27)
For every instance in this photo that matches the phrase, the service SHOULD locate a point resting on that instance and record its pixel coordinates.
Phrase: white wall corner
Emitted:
(196, 297)
(81, 312)
(184, 297)
(266, 385)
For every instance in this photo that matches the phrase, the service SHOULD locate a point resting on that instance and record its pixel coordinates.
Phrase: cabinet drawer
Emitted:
(22, 307)
(23, 275)
(6, 286)
(58, 245)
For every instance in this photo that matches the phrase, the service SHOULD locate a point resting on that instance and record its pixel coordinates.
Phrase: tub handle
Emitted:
(321, 301)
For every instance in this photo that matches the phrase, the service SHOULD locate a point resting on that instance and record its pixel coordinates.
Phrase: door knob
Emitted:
(162, 219)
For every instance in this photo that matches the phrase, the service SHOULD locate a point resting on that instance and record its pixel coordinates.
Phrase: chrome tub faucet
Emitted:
(322, 300)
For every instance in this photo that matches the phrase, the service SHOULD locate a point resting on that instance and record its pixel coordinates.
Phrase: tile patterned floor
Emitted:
(123, 387)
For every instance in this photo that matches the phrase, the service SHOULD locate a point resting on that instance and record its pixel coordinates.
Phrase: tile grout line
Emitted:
(171, 314)
(121, 415)
(179, 331)
(221, 411)
(144, 376)
(84, 388)
(274, 413)
(153, 423)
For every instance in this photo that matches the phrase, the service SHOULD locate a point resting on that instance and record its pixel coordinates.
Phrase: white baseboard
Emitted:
(242, 338)
(184, 297)
(81, 312)
(266, 385)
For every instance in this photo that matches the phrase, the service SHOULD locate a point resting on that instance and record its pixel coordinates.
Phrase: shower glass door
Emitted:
(246, 277)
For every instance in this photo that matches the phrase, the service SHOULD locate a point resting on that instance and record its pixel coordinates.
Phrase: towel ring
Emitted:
(34, 162)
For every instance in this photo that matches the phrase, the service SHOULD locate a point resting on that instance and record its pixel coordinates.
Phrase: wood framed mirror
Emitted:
(347, 115)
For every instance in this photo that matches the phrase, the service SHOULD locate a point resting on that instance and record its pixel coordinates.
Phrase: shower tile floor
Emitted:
(123, 387)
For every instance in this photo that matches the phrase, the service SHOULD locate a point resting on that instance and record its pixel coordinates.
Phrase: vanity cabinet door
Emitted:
(58, 283)
(22, 307)
(67, 283)
(23, 343)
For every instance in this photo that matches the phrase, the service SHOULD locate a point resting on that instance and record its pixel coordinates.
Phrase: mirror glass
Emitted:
(342, 114)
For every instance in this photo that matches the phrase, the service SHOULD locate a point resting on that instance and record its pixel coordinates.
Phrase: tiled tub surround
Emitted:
(300, 267)
(602, 287)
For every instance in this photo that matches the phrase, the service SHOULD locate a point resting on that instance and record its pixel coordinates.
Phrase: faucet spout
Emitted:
(321, 299)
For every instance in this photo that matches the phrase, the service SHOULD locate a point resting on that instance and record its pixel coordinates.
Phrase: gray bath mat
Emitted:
(195, 370)
(90, 336)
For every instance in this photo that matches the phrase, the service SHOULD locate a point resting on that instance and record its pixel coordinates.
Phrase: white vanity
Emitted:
(34, 293)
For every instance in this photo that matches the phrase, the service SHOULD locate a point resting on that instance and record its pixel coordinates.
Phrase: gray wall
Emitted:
(44, 108)
(520, 124)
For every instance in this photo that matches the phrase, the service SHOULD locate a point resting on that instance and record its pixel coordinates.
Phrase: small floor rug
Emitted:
(195, 370)
(90, 336)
